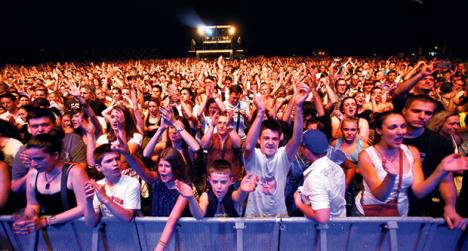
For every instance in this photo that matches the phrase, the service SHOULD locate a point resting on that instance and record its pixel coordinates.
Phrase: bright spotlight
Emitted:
(208, 31)
(232, 30)
(200, 30)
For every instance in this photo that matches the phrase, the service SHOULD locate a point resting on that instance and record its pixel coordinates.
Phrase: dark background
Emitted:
(38, 31)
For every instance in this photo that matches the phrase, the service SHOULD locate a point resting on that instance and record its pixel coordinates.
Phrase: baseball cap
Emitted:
(315, 141)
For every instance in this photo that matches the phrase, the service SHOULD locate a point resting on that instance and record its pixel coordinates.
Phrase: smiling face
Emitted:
(393, 130)
(269, 141)
(220, 183)
(165, 171)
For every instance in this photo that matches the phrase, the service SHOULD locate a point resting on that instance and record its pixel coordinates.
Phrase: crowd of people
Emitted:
(255, 137)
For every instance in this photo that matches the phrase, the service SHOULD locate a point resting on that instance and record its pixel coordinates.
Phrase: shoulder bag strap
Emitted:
(63, 186)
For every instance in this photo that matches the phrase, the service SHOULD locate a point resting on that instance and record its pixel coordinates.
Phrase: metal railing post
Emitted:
(239, 226)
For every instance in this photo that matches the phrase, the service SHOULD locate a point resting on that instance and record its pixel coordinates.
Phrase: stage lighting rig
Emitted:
(215, 40)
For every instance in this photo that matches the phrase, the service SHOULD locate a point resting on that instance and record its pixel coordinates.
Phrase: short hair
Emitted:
(101, 151)
(392, 71)
(209, 78)
(37, 112)
(48, 143)
(38, 102)
(10, 96)
(90, 88)
(271, 124)
(235, 89)
(422, 98)
(220, 166)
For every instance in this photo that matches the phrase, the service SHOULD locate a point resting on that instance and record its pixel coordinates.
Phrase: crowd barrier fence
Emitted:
(357, 233)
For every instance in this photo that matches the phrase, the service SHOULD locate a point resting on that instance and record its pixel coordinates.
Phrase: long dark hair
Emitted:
(175, 159)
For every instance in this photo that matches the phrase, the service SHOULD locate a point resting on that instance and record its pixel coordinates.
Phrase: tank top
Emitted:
(354, 156)
(407, 181)
(51, 204)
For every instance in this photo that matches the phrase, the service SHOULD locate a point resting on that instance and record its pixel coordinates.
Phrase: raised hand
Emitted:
(259, 101)
(249, 183)
(74, 89)
(120, 146)
(168, 115)
(301, 94)
(454, 162)
(184, 189)
(87, 126)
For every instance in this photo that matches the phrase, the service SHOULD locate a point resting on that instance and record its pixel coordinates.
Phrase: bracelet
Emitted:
(51, 220)
(162, 243)
(180, 129)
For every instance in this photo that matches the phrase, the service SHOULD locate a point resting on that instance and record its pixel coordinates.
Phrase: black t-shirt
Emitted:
(433, 148)
(97, 107)
(462, 202)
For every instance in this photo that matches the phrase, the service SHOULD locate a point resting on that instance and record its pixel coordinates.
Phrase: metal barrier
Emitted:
(359, 233)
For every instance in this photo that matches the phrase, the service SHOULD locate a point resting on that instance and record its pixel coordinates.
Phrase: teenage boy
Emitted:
(270, 162)
(221, 200)
(116, 195)
(323, 192)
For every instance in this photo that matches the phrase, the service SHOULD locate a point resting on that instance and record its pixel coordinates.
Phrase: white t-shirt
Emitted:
(126, 193)
(324, 187)
(240, 106)
(10, 149)
(268, 200)
(137, 139)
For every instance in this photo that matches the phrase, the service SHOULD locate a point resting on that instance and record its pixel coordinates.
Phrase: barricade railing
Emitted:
(356, 233)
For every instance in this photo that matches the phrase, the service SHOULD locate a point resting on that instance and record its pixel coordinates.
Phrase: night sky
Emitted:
(42, 29)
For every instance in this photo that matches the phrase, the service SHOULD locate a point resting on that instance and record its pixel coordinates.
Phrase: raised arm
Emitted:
(135, 163)
(302, 91)
(254, 131)
(186, 191)
(407, 85)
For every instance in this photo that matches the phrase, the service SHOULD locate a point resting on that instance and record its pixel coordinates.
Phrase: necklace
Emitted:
(386, 158)
(47, 186)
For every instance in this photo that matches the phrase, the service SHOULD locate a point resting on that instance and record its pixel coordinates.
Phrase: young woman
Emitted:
(45, 182)
(351, 145)
(348, 109)
(166, 199)
(389, 168)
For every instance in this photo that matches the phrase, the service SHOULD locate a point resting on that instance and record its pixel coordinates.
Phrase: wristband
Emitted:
(51, 220)
(162, 243)
(180, 129)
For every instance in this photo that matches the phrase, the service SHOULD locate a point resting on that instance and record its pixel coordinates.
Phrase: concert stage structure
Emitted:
(216, 40)
(297, 233)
